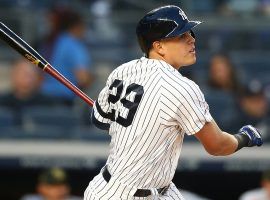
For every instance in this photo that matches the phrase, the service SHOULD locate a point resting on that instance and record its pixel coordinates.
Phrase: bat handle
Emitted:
(50, 70)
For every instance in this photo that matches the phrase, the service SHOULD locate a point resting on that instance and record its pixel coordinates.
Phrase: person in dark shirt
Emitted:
(254, 108)
(25, 84)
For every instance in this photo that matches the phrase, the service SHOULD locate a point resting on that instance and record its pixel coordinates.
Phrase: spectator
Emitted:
(222, 75)
(265, 7)
(25, 81)
(71, 58)
(53, 184)
(54, 18)
(262, 193)
(221, 90)
(253, 107)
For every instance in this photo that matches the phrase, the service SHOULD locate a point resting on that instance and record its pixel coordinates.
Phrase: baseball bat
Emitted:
(30, 54)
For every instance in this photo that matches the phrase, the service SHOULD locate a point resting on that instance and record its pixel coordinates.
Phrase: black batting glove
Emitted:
(248, 136)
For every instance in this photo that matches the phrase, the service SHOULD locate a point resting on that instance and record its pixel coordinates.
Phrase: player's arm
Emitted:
(195, 119)
(101, 115)
(215, 141)
(219, 143)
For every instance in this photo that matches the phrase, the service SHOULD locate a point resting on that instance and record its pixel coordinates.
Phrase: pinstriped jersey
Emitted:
(147, 107)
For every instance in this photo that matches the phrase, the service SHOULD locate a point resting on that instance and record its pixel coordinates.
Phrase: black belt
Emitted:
(140, 192)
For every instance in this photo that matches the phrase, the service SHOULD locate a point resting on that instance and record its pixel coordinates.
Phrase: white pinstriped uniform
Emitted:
(148, 106)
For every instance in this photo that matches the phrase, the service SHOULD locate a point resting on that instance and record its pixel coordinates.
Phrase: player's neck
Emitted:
(156, 56)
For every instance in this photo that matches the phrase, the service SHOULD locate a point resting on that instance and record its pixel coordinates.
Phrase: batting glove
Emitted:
(248, 136)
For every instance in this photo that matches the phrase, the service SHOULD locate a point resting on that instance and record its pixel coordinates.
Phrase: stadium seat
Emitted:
(222, 107)
(38, 132)
(89, 133)
(7, 118)
(57, 116)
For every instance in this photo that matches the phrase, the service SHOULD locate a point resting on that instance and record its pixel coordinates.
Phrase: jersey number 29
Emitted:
(130, 105)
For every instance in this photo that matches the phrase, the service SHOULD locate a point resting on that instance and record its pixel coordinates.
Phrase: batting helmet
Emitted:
(163, 22)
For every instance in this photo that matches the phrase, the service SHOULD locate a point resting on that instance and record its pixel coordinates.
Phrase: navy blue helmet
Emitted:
(163, 22)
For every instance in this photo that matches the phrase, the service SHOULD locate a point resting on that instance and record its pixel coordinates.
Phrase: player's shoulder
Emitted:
(169, 72)
(141, 62)
(189, 88)
(189, 82)
(133, 66)
(125, 65)
(175, 81)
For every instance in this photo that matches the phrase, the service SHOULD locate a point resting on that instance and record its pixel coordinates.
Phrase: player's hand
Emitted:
(254, 136)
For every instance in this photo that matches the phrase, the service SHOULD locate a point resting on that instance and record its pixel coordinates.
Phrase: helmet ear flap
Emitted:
(192, 34)
(145, 45)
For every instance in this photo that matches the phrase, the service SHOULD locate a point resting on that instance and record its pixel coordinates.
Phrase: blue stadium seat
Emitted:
(37, 132)
(7, 118)
(89, 133)
(56, 116)
(10, 132)
(222, 107)
(48, 133)
(206, 6)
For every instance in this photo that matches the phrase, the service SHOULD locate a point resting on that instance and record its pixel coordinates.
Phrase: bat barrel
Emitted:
(21, 46)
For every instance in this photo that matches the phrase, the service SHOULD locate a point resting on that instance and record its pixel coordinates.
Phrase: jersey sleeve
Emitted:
(101, 115)
(193, 109)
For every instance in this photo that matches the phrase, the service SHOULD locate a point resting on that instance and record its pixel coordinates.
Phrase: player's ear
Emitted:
(158, 47)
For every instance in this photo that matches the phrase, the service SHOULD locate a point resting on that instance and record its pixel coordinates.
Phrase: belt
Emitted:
(140, 192)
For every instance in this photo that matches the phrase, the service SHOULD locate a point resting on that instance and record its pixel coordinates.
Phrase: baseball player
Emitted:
(147, 106)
